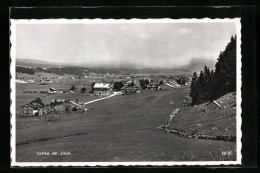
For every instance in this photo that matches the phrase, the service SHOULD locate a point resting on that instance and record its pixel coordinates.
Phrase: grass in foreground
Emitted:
(119, 129)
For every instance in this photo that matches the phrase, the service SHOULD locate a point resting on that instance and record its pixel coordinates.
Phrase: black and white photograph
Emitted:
(108, 92)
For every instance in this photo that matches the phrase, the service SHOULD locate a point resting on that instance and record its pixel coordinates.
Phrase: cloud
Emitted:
(185, 30)
(147, 44)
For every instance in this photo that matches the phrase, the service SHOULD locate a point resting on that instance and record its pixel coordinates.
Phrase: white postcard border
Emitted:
(14, 22)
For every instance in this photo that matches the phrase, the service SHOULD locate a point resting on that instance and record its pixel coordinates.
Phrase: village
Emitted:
(95, 86)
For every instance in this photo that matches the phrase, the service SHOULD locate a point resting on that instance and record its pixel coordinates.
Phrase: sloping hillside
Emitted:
(209, 119)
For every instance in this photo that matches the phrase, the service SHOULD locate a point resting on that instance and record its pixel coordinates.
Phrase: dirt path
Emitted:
(169, 85)
(100, 99)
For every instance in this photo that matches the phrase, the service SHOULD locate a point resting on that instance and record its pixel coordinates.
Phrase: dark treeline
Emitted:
(20, 69)
(67, 70)
(28, 70)
(209, 84)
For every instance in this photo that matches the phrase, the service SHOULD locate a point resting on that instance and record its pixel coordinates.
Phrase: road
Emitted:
(169, 85)
(100, 99)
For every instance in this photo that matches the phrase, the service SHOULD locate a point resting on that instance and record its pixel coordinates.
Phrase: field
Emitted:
(122, 128)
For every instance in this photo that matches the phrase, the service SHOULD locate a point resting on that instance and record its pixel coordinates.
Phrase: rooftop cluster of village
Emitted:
(100, 86)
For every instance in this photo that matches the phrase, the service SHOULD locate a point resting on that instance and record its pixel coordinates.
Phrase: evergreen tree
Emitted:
(92, 85)
(193, 88)
(213, 84)
(132, 84)
(118, 86)
(146, 81)
(72, 88)
(142, 83)
(225, 73)
(206, 83)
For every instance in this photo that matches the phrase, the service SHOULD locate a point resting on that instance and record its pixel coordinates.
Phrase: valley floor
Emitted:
(121, 128)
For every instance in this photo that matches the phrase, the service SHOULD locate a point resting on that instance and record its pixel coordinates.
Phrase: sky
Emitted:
(141, 44)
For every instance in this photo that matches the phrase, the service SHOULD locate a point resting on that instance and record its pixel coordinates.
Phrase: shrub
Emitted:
(72, 88)
(83, 90)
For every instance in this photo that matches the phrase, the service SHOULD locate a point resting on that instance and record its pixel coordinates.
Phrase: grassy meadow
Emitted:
(121, 128)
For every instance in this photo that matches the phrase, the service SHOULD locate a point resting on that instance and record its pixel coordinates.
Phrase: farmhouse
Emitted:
(129, 83)
(46, 81)
(64, 107)
(69, 106)
(102, 89)
(152, 85)
(52, 91)
(31, 109)
(130, 90)
(58, 100)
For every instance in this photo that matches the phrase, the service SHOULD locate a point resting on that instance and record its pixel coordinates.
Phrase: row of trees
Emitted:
(20, 69)
(73, 88)
(145, 82)
(118, 86)
(210, 85)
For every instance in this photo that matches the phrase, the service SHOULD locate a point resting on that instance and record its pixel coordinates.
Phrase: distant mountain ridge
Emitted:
(37, 63)
(198, 64)
(195, 65)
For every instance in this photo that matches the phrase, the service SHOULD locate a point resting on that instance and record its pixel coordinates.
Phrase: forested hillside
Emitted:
(211, 84)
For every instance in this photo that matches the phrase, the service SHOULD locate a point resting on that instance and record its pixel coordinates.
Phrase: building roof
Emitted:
(53, 89)
(102, 85)
(34, 105)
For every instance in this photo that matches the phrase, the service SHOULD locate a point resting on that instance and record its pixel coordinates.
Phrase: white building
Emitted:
(102, 89)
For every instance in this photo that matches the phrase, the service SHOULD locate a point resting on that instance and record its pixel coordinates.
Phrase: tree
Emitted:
(39, 101)
(182, 81)
(161, 82)
(225, 72)
(74, 109)
(67, 108)
(83, 90)
(142, 83)
(132, 84)
(92, 85)
(72, 88)
(146, 81)
(195, 90)
(178, 80)
(213, 84)
(193, 84)
(118, 85)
